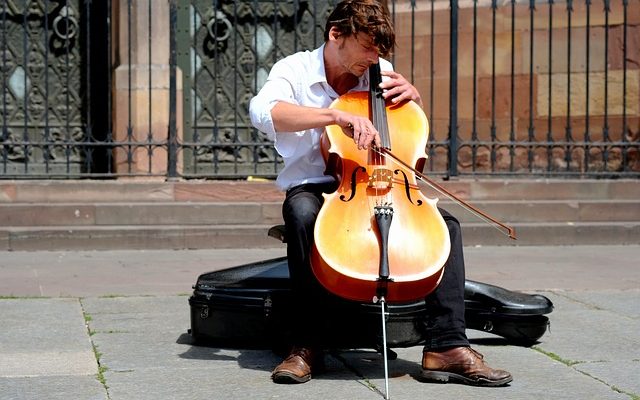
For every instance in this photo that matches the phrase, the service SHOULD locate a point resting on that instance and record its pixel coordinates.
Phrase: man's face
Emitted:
(356, 53)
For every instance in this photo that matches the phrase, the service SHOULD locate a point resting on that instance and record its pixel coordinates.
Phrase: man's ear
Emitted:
(334, 33)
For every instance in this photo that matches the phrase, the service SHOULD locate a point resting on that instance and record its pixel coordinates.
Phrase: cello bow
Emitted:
(503, 228)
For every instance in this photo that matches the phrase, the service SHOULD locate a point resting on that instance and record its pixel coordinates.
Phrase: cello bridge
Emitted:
(381, 178)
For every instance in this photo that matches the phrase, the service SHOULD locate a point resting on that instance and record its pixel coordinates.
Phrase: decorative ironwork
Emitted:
(232, 46)
(41, 101)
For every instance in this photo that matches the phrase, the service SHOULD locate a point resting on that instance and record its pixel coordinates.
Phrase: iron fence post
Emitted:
(172, 170)
(453, 90)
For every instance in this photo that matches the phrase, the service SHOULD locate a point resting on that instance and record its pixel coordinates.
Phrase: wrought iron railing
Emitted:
(49, 117)
(530, 88)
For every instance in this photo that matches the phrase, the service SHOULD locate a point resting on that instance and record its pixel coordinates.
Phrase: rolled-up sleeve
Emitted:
(277, 88)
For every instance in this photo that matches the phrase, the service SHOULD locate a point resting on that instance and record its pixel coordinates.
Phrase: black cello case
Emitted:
(248, 306)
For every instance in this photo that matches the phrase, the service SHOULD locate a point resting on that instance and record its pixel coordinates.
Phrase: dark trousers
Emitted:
(444, 323)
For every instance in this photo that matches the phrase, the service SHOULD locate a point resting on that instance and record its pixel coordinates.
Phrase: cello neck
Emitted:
(377, 106)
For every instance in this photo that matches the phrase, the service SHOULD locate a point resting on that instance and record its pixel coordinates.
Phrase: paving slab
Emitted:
(44, 337)
(555, 267)
(46, 352)
(598, 334)
(621, 375)
(587, 333)
(52, 388)
(624, 303)
(137, 314)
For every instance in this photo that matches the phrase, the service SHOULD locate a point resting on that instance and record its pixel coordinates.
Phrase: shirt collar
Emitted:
(318, 75)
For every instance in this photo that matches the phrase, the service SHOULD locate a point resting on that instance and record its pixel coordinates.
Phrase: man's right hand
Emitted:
(360, 129)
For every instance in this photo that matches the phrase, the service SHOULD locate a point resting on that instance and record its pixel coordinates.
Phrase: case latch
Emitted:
(204, 312)
(268, 305)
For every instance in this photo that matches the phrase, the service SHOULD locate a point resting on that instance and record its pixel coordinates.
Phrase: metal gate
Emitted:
(225, 52)
(530, 88)
(53, 123)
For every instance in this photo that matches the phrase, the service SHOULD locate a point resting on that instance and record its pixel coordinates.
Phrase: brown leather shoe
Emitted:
(462, 365)
(297, 367)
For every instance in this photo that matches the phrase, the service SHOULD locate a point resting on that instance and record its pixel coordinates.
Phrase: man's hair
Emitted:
(370, 17)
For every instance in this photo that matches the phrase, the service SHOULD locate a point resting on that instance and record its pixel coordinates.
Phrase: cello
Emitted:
(377, 231)
(377, 237)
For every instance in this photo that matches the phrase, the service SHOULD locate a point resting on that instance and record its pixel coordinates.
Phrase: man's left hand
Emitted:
(398, 89)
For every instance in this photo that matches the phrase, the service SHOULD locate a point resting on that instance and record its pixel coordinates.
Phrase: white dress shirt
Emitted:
(299, 79)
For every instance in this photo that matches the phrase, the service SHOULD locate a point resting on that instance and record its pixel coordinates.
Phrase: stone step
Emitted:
(131, 191)
(160, 213)
(136, 237)
(555, 234)
(127, 191)
(243, 236)
(221, 213)
(543, 211)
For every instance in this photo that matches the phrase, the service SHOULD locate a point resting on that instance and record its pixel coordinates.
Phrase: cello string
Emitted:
(378, 117)
(383, 130)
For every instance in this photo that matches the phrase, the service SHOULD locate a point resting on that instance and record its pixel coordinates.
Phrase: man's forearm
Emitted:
(289, 117)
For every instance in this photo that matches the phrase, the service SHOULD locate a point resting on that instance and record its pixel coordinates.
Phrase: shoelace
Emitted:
(480, 356)
(306, 354)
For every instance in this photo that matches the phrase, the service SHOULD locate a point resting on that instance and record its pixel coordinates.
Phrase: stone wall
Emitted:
(141, 88)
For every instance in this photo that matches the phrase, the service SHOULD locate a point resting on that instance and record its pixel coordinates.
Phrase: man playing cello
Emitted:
(292, 108)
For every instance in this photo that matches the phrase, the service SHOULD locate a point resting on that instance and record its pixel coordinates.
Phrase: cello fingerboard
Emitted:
(377, 105)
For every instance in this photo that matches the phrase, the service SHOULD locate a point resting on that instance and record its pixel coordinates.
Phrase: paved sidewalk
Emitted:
(63, 311)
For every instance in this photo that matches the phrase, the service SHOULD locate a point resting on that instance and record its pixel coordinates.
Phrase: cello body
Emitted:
(349, 245)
